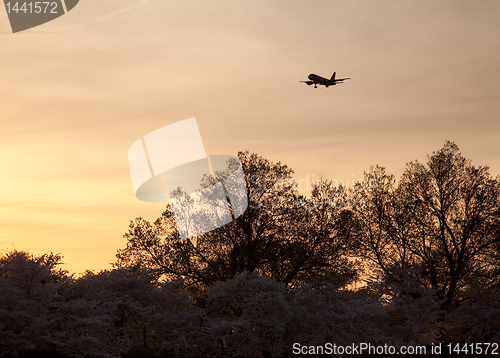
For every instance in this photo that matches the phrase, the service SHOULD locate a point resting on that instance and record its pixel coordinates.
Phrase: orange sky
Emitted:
(77, 92)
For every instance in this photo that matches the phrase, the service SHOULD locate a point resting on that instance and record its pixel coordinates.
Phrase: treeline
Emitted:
(408, 262)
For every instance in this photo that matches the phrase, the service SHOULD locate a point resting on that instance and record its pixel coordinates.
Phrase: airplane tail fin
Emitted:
(333, 77)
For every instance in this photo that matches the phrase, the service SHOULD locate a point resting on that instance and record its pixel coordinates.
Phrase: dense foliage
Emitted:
(408, 262)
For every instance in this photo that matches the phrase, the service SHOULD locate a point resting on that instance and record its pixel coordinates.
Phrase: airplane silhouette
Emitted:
(318, 80)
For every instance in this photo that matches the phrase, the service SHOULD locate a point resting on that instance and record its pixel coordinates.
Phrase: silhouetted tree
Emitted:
(29, 287)
(247, 316)
(279, 235)
(114, 311)
(442, 221)
(278, 274)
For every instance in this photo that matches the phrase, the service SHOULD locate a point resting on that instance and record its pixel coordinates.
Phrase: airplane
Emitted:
(318, 80)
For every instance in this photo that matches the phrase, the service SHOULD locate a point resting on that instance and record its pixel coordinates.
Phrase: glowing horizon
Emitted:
(78, 91)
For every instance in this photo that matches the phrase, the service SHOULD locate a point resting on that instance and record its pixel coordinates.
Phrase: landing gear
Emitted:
(315, 86)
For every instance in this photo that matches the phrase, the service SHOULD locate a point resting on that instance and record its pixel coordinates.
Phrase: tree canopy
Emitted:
(281, 234)
(386, 261)
(441, 220)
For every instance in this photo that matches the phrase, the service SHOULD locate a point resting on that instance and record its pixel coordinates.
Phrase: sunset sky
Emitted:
(78, 91)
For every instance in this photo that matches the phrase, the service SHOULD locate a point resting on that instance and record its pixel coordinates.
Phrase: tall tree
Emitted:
(441, 221)
(273, 237)
(455, 221)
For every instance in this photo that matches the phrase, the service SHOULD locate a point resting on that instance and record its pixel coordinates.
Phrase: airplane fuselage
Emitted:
(318, 80)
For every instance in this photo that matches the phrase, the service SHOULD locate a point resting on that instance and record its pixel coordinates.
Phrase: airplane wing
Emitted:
(308, 82)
